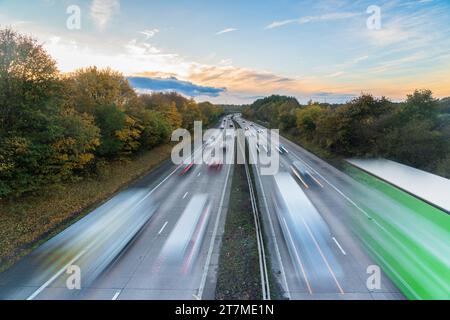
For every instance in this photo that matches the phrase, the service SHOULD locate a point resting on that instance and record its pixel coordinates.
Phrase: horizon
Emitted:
(213, 52)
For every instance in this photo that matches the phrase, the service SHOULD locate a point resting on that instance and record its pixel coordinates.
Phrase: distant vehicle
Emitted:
(252, 125)
(300, 168)
(247, 128)
(301, 171)
(187, 168)
(222, 127)
(260, 131)
(282, 149)
(231, 126)
(215, 165)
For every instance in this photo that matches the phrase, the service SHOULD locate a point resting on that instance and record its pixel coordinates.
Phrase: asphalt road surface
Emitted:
(160, 238)
(330, 261)
(144, 243)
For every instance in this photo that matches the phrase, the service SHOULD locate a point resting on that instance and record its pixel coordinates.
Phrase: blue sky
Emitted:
(309, 49)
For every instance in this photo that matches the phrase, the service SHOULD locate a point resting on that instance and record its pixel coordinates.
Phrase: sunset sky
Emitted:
(235, 51)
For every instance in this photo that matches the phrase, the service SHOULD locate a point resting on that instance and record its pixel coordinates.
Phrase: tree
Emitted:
(415, 143)
(157, 129)
(29, 83)
(111, 120)
(173, 116)
(355, 122)
(92, 87)
(421, 104)
(307, 119)
(210, 113)
(30, 105)
(130, 135)
(75, 147)
(191, 113)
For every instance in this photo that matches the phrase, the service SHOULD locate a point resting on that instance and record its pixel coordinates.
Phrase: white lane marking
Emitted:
(116, 295)
(351, 202)
(199, 174)
(331, 185)
(213, 239)
(185, 195)
(259, 238)
(339, 246)
(299, 260)
(56, 275)
(167, 178)
(322, 255)
(163, 227)
(272, 230)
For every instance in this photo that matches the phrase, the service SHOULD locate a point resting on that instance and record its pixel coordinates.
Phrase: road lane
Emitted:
(161, 198)
(337, 215)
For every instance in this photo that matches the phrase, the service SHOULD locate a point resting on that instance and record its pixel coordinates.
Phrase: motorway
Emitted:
(331, 261)
(138, 245)
(130, 247)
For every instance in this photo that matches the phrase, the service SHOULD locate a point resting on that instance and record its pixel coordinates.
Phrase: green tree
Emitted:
(307, 119)
(30, 110)
(421, 104)
(111, 120)
(416, 143)
(157, 129)
(75, 147)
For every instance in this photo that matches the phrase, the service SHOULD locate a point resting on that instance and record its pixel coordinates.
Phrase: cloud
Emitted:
(277, 24)
(102, 11)
(141, 59)
(335, 74)
(149, 33)
(359, 59)
(227, 30)
(310, 19)
(333, 97)
(187, 88)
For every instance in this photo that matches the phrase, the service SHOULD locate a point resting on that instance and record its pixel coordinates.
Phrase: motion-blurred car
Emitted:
(183, 245)
(186, 168)
(215, 165)
(300, 168)
(282, 149)
(304, 229)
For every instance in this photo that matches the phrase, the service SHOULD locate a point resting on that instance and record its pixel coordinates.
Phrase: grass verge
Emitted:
(238, 276)
(29, 221)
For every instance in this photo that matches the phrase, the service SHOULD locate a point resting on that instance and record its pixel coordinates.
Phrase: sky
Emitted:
(236, 51)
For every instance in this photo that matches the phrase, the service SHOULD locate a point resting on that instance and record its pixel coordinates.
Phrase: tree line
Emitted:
(415, 132)
(57, 127)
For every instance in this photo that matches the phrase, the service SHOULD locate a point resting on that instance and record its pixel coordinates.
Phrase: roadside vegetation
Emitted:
(415, 132)
(68, 141)
(31, 220)
(239, 276)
